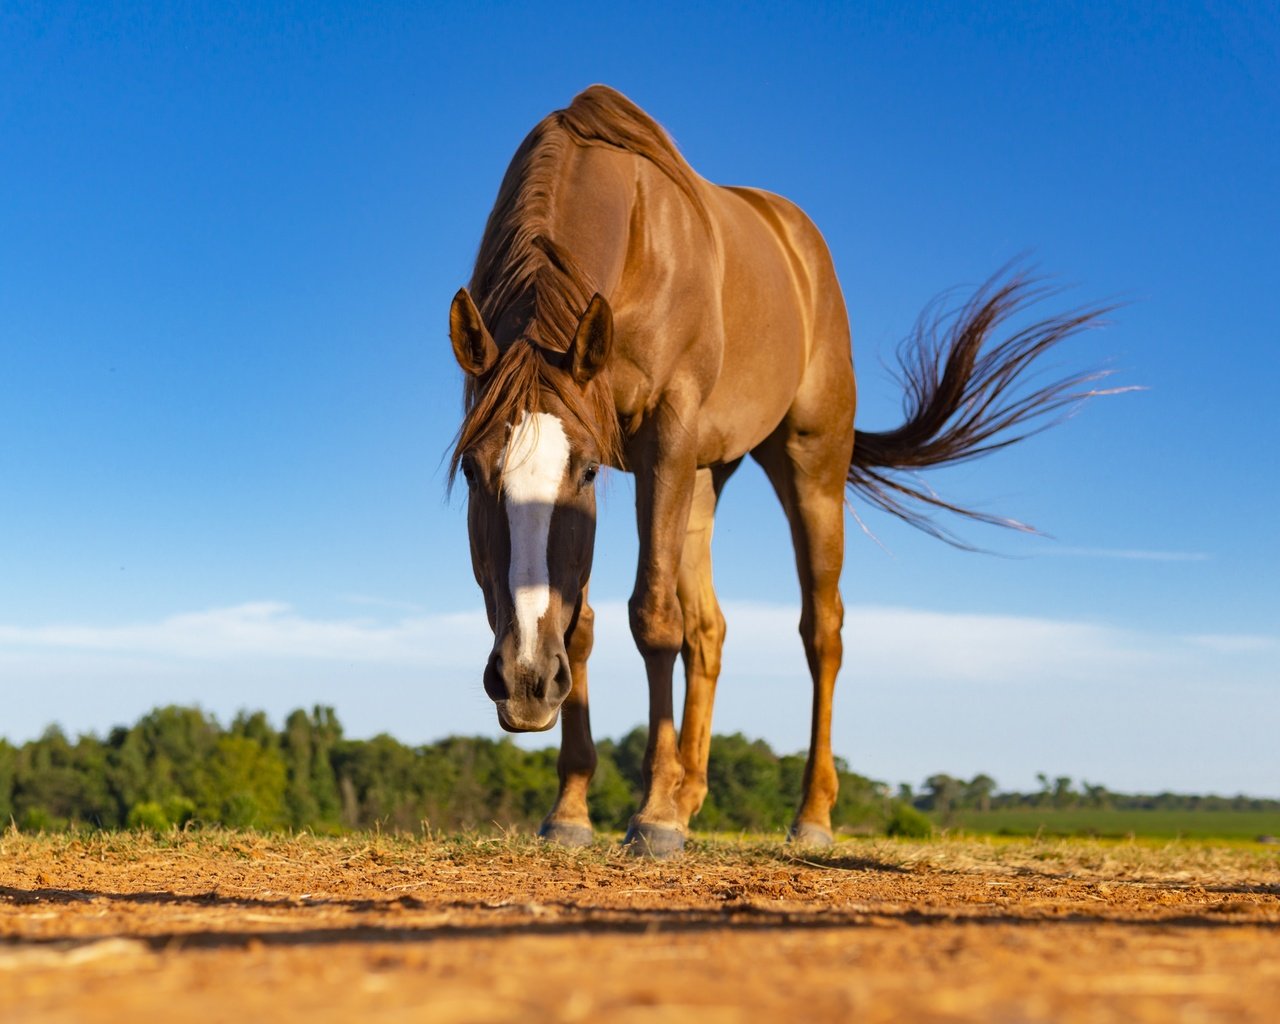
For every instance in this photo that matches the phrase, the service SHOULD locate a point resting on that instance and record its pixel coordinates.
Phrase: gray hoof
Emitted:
(805, 834)
(566, 833)
(645, 840)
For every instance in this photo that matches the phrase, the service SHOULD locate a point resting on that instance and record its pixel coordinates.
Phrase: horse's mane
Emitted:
(531, 291)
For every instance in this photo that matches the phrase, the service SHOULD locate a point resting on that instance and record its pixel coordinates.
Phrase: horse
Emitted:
(624, 312)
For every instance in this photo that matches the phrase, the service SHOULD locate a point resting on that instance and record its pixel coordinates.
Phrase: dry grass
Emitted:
(1205, 861)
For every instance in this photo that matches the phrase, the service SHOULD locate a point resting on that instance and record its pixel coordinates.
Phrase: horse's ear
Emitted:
(472, 344)
(593, 340)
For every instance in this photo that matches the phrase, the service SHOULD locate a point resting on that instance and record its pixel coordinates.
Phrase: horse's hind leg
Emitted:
(704, 631)
(807, 468)
(569, 823)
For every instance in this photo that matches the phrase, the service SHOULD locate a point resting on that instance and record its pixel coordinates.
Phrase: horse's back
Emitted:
(808, 260)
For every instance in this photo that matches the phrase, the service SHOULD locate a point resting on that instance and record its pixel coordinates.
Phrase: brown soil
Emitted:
(249, 928)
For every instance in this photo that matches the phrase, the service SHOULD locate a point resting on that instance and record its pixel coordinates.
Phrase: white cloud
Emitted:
(901, 642)
(889, 642)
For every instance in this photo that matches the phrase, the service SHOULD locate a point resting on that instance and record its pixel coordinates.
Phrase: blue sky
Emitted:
(228, 240)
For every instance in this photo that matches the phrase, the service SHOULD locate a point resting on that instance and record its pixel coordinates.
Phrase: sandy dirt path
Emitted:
(247, 928)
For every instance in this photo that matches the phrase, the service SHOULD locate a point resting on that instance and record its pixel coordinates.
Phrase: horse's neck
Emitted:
(592, 207)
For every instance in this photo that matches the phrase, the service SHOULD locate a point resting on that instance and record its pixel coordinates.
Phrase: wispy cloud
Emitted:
(1129, 554)
(883, 642)
(1235, 643)
(370, 601)
(262, 629)
(921, 690)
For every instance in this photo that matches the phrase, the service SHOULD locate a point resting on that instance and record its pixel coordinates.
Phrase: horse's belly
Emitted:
(756, 386)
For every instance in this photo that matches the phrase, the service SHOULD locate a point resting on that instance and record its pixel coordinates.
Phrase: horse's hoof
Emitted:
(646, 840)
(804, 833)
(566, 833)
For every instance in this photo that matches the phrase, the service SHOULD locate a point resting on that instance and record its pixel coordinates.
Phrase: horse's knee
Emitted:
(704, 633)
(657, 624)
(820, 628)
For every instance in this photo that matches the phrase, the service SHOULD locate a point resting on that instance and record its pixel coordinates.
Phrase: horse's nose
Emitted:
(528, 693)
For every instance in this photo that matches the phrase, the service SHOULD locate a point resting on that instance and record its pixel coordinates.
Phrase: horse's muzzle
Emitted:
(528, 696)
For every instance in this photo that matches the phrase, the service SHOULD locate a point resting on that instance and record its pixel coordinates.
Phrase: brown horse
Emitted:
(625, 312)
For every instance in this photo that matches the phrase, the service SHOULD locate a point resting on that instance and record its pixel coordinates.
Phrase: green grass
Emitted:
(1095, 822)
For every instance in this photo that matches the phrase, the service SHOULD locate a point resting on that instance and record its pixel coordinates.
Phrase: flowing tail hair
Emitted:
(963, 398)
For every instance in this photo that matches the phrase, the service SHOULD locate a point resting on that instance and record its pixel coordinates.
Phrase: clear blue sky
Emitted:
(228, 239)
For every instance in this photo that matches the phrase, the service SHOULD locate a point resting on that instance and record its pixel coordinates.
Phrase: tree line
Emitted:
(178, 766)
(943, 794)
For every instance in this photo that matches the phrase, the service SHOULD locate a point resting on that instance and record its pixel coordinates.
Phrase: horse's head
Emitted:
(529, 450)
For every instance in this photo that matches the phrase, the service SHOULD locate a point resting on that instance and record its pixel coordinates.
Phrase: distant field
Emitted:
(1094, 822)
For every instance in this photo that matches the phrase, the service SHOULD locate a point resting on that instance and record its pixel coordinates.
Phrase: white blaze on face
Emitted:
(533, 467)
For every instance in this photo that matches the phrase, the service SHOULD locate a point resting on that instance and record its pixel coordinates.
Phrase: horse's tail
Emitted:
(963, 400)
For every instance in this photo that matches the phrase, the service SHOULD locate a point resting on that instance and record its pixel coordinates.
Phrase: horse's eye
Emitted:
(589, 474)
(469, 471)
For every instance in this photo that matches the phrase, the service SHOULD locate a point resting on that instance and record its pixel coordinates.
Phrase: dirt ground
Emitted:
(240, 927)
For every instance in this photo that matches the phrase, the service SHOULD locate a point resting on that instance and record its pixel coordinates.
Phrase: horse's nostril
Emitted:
(495, 683)
(564, 677)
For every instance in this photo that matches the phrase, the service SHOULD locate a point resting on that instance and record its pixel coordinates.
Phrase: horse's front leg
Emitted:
(663, 457)
(569, 822)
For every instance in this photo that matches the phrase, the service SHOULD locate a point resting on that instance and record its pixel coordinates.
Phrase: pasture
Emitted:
(1119, 824)
(221, 925)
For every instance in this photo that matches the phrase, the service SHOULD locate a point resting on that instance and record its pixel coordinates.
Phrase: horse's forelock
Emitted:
(518, 383)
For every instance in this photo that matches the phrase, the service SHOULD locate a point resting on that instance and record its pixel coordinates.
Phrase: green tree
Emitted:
(861, 804)
(611, 799)
(254, 725)
(744, 787)
(943, 793)
(628, 755)
(382, 781)
(312, 799)
(244, 785)
(905, 821)
(298, 751)
(165, 755)
(1097, 796)
(8, 764)
(56, 783)
(523, 783)
(326, 732)
(977, 792)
